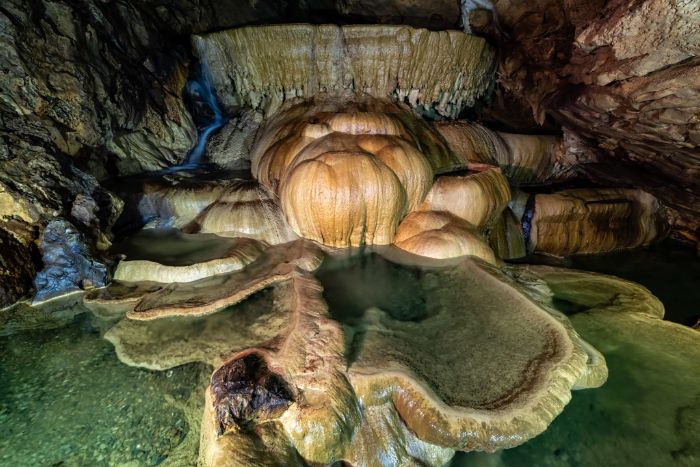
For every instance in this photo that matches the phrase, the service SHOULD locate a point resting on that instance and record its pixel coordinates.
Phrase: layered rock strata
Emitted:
(620, 77)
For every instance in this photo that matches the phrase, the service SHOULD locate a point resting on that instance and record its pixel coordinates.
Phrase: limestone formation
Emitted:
(479, 198)
(439, 234)
(293, 384)
(594, 221)
(347, 172)
(148, 300)
(261, 66)
(237, 208)
(241, 253)
(506, 236)
(524, 159)
(621, 77)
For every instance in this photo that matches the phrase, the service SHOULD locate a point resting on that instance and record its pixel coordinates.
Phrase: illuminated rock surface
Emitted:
(652, 365)
(362, 381)
(439, 234)
(346, 172)
(477, 198)
(237, 208)
(594, 221)
(261, 66)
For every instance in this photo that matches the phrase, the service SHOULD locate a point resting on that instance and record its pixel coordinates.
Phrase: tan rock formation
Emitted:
(524, 159)
(595, 221)
(347, 172)
(622, 77)
(237, 208)
(205, 296)
(262, 66)
(292, 387)
(479, 198)
(506, 236)
(242, 252)
(439, 234)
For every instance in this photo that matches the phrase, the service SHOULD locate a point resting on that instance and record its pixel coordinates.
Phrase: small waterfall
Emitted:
(204, 87)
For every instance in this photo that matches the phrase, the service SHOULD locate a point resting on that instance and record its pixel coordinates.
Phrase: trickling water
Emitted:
(204, 88)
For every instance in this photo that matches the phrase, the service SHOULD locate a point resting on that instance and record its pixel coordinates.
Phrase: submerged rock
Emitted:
(69, 263)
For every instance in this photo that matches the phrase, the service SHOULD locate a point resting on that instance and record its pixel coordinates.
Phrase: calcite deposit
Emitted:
(619, 77)
(594, 221)
(261, 66)
(440, 234)
(293, 383)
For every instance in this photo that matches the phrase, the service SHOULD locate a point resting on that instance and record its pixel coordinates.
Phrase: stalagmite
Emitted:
(439, 234)
(594, 221)
(346, 173)
(479, 198)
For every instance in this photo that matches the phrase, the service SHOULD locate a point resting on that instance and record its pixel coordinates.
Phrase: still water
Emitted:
(65, 399)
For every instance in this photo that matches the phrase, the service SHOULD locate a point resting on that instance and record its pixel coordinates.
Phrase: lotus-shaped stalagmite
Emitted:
(402, 354)
(452, 356)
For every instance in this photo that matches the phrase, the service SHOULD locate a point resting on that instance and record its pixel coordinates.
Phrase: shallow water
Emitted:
(670, 271)
(65, 400)
(647, 413)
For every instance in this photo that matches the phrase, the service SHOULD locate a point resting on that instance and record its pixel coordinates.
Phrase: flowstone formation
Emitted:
(297, 381)
(403, 356)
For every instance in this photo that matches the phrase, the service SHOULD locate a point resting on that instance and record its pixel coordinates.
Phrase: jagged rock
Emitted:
(69, 265)
(17, 268)
(622, 76)
(263, 66)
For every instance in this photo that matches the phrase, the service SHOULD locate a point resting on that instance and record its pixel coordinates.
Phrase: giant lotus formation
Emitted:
(464, 360)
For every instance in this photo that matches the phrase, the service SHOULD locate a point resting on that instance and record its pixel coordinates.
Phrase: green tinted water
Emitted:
(65, 400)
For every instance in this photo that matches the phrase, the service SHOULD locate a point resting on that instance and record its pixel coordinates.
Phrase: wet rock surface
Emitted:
(245, 391)
(69, 263)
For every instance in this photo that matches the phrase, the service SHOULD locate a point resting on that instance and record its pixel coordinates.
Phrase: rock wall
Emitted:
(620, 77)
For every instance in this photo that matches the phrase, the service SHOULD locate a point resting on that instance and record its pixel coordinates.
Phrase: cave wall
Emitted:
(91, 90)
(622, 80)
